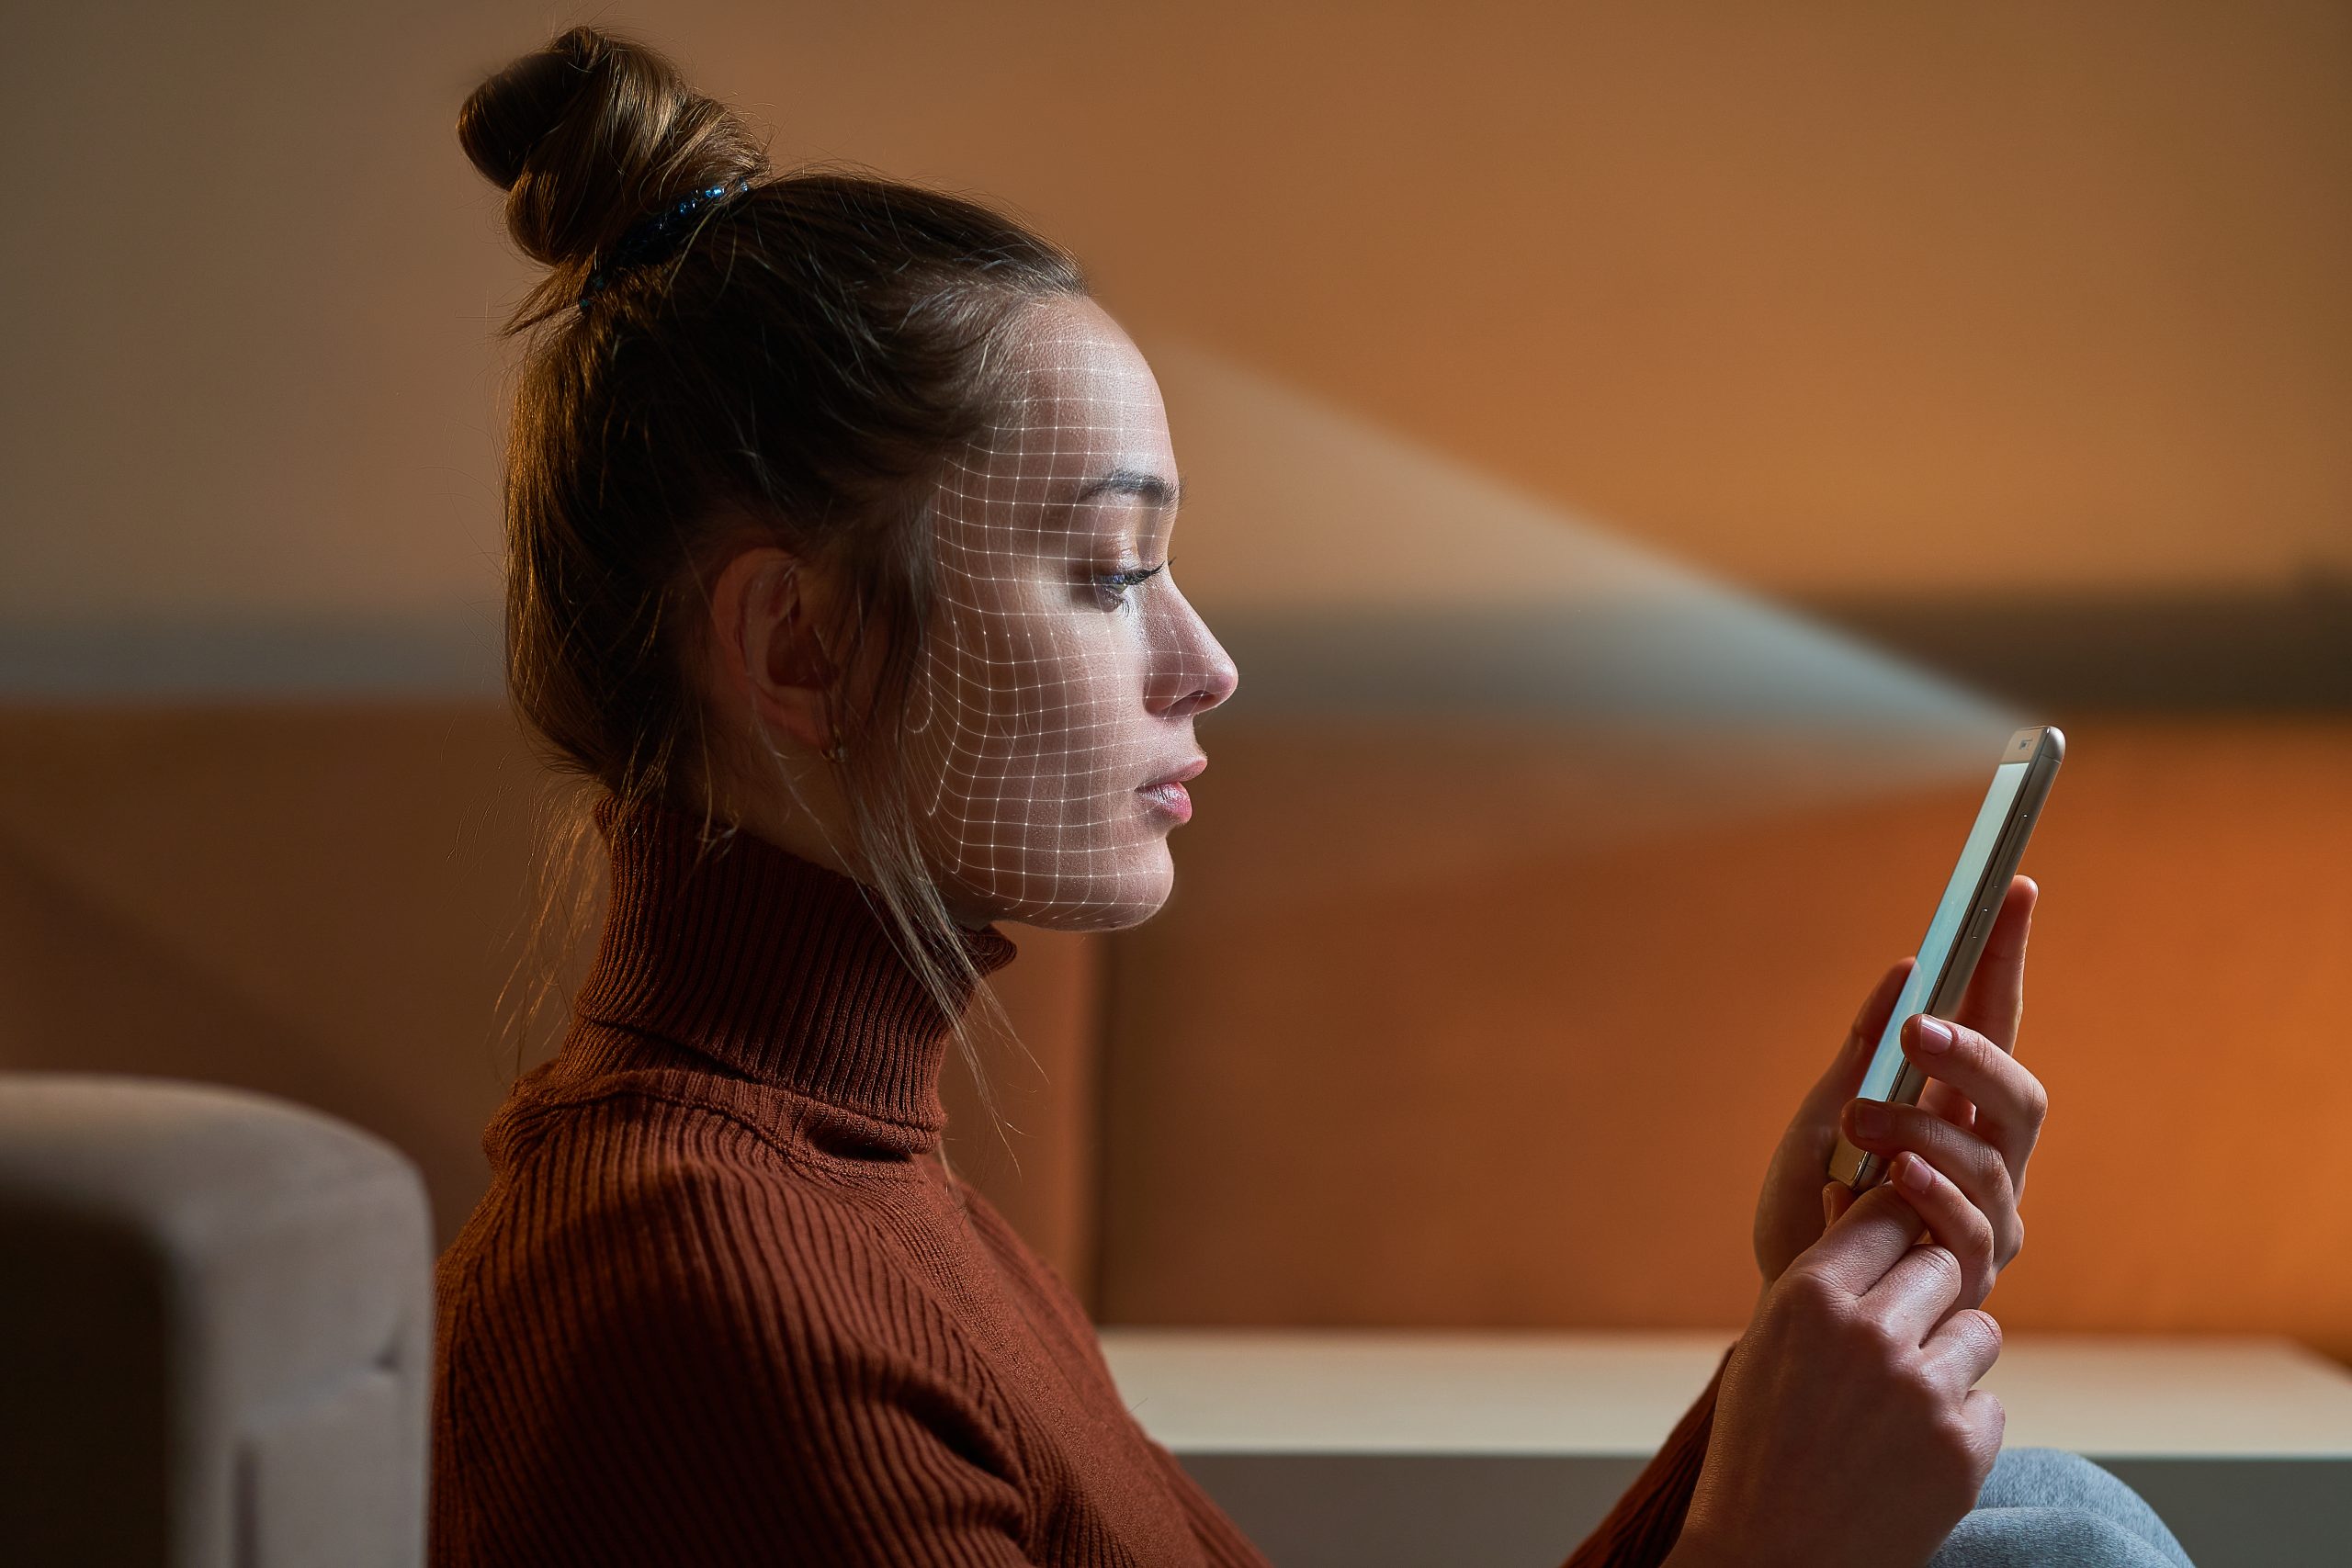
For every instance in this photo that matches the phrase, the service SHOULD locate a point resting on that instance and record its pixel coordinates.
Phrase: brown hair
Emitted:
(810, 356)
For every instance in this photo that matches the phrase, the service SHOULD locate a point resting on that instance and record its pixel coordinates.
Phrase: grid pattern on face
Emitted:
(1044, 702)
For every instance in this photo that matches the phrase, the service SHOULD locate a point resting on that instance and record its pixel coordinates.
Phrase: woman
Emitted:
(840, 518)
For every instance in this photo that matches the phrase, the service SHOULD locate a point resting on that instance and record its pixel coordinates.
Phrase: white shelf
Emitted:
(1312, 1392)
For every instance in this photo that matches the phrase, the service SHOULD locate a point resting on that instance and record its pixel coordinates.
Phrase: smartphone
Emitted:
(1963, 920)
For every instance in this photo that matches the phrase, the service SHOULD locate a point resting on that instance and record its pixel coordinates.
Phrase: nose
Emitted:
(1193, 672)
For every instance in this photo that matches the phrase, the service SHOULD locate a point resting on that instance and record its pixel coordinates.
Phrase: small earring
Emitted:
(837, 752)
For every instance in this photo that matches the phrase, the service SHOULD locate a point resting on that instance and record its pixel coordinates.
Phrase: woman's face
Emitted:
(1050, 724)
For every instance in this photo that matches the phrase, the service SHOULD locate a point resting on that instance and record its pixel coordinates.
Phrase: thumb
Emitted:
(1836, 1199)
(1843, 1077)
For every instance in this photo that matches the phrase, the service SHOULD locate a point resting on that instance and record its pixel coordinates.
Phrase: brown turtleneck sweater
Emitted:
(722, 1304)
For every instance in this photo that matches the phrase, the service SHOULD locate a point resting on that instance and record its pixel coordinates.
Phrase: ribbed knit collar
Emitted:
(771, 964)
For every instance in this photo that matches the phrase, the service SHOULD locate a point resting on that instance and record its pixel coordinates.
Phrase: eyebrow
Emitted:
(1150, 489)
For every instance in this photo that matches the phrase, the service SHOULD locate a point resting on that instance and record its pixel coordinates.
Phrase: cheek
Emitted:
(1093, 719)
(1076, 712)
(1041, 708)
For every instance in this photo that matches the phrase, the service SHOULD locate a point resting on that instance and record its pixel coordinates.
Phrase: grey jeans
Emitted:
(2042, 1509)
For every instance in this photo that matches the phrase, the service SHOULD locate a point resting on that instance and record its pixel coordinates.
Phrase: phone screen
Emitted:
(1943, 932)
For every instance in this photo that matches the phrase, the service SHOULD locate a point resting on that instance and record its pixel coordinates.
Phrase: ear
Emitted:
(767, 656)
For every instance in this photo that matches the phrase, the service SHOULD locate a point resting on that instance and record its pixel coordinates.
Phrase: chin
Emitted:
(1118, 896)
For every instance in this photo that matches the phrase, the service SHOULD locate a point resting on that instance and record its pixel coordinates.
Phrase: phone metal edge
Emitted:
(2044, 747)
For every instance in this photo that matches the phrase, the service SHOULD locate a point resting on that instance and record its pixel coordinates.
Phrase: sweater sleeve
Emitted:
(648, 1400)
(1643, 1528)
(1221, 1540)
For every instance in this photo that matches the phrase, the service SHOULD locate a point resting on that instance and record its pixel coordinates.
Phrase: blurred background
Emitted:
(1647, 460)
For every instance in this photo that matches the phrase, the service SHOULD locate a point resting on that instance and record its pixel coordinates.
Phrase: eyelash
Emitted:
(1118, 585)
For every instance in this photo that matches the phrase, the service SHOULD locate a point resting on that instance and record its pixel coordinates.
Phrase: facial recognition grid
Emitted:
(1064, 667)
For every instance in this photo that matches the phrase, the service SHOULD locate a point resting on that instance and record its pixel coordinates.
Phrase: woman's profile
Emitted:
(838, 526)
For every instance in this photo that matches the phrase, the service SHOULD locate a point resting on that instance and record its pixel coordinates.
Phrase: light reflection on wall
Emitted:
(1380, 598)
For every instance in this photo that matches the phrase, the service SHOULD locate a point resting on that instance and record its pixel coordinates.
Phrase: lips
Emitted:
(1170, 800)
(1183, 772)
(1167, 794)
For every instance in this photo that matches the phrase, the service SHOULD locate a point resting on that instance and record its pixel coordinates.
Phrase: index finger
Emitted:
(1994, 1001)
(2006, 1102)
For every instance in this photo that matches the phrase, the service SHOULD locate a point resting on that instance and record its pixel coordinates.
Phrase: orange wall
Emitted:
(1511, 1052)
(1822, 296)
(1455, 1082)
(1818, 296)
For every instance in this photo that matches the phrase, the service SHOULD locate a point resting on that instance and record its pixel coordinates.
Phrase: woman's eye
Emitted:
(1115, 586)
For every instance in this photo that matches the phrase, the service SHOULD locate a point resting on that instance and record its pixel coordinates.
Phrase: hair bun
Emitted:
(593, 133)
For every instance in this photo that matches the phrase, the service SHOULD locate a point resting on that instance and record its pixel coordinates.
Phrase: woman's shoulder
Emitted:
(672, 1239)
(668, 1191)
(657, 1297)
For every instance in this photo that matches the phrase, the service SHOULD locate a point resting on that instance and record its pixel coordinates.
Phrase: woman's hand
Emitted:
(1849, 1430)
(1976, 1124)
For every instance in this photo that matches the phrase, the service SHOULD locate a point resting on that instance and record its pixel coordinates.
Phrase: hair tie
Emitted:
(658, 236)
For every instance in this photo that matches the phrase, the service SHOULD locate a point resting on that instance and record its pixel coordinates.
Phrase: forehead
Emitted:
(1075, 373)
(1079, 403)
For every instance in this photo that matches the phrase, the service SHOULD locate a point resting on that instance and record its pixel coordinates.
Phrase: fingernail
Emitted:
(1869, 1121)
(1935, 1037)
(1913, 1172)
